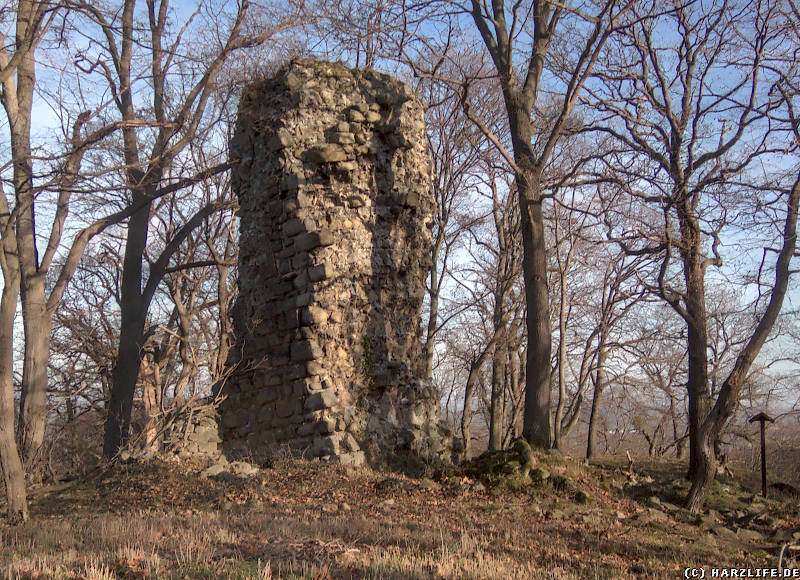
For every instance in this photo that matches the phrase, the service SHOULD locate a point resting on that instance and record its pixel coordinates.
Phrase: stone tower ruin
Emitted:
(335, 208)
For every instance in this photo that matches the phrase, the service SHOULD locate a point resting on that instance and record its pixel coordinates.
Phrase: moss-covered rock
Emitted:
(517, 460)
(539, 474)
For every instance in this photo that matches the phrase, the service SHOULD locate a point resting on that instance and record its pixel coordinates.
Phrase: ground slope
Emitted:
(159, 519)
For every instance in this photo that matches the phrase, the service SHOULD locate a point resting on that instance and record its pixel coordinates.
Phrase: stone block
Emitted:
(306, 429)
(356, 201)
(355, 116)
(350, 443)
(232, 419)
(320, 272)
(305, 350)
(301, 280)
(313, 314)
(295, 372)
(299, 388)
(301, 261)
(285, 408)
(310, 240)
(314, 368)
(326, 425)
(325, 445)
(321, 400)
(344, 139)
(280, 140)
(290, 181)
(292, 227)
(329, 153)
(265, 396)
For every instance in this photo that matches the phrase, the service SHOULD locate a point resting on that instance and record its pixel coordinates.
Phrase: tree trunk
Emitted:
(562, 355)
(599, 384)
(466, 415)
(37, 321)
(433, 316)
(123, 385)
(189, 368)
(696, 320)
(13, 473)
(516, 396)
(498, 384)
(704, 472)
(18, 103)
(713, 422)
(679, 449)
(132, 320)
(150, 400)
(536, 422)
(676, 437)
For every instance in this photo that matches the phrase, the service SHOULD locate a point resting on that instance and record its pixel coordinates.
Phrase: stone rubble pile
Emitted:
(195, 435)
(336, 210)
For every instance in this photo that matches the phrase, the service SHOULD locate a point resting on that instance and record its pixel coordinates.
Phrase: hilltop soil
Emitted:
(300, 519)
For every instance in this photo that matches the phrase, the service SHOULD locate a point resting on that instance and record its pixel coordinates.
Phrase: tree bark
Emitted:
(430, 332)
(466, 415)
(498, 383)
(225, 329)
(562, 351)
(599, 385)
(696, 320)
(134, 304)
(133, 314)
(433, 313)
(124, 378)
(37, 321)
(144, 175)
(151, 387)
(13, 472)
(18, 103)
(519, 101)
(17, 82)
(536, 422)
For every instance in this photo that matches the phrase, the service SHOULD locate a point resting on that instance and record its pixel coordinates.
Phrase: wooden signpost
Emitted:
(762, 418)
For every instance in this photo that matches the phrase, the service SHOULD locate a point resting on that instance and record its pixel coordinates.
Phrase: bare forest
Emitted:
(612, 284)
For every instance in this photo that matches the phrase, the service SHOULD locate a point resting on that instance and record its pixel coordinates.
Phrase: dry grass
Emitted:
(305, 520)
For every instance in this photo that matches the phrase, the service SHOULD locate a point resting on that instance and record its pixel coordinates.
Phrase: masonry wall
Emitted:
(335, 208)
(195, 435)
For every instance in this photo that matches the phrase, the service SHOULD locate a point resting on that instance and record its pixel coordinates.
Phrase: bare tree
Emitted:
(662, 361)
(181, 108)
(44, 276)
(455, 147)
(694, 121)
(519, 39)
(361, 31)
(495, 268)
(17, 83)
(568, 229)
(620, 294)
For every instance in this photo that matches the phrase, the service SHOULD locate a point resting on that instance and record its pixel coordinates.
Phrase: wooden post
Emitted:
(762, 418)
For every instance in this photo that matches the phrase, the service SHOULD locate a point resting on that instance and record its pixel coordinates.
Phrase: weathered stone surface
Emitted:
(322, 400)
(336, 211)
(305, 350)
(213, 470)
(197, 434)
(325, 154)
